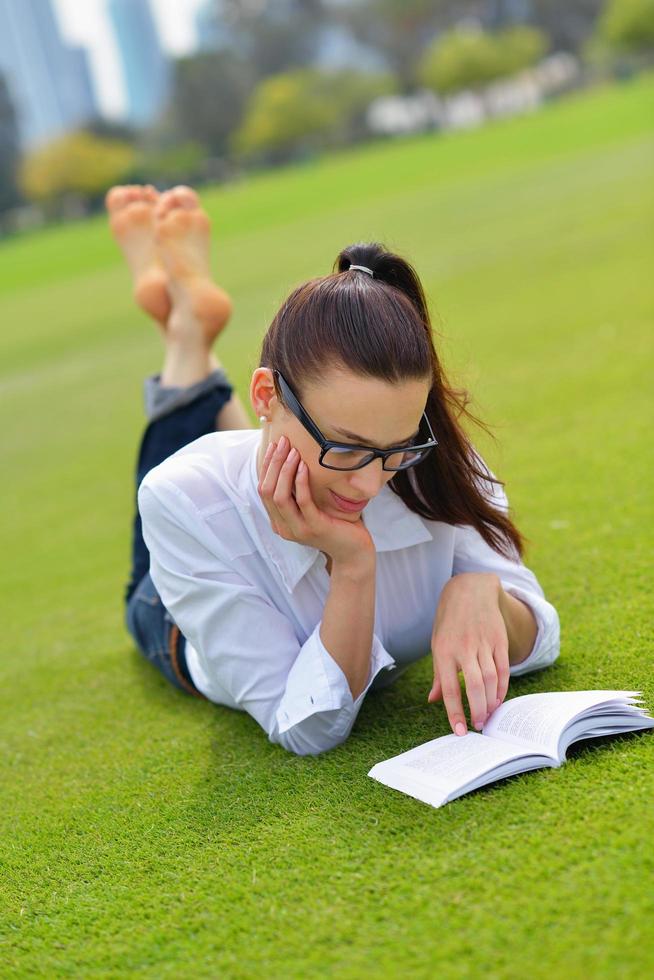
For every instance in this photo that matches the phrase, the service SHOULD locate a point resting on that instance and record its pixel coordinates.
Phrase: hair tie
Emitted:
(363, 268)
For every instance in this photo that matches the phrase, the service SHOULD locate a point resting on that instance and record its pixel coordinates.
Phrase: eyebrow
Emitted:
(365, 442)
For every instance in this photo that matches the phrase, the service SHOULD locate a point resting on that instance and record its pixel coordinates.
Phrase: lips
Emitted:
(349, 505)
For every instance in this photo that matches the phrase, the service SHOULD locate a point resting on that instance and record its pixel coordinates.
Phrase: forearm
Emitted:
(521, 627)
(349, 617)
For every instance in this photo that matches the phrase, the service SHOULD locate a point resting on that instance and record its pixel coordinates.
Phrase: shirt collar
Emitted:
(391, 524)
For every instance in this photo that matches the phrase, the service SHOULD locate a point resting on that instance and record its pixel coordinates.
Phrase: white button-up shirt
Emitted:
(250, 603)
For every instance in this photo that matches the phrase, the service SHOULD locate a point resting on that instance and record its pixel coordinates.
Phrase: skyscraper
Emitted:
(48, 80)
(145, 66)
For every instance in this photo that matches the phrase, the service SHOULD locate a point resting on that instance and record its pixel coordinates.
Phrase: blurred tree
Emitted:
(111, 129)
(628, 25)
(210, 91)
(304, 110)
(401, 30)
(175, 163)
(9, 150)
(568, 23)
(521, 47)
(287, 112)
(77, 166)
(352, 92)
(273, 35)
(472, 58)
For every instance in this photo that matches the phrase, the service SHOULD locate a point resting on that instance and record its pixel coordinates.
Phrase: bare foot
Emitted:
(182, 236)
(131, 218)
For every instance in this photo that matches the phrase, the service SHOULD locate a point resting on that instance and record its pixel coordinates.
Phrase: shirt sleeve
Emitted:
(473, 554)
(295, 691)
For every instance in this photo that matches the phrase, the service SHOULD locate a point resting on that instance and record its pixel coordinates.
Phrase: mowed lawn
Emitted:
(145, 833)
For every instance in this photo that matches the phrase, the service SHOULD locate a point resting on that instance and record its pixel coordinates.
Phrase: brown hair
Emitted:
(380, 327)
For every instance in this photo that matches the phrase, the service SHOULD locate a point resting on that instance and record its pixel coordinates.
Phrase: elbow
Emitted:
(297, 745)
(555, 638)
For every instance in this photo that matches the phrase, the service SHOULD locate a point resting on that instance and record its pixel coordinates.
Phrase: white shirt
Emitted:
(250, 603)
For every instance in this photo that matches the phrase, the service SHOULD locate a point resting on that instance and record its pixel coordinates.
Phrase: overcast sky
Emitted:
(87, 23)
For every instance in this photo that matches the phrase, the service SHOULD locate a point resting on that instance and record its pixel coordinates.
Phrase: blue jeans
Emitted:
(177, 416)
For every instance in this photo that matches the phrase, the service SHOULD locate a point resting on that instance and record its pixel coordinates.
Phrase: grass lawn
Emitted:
(145, 833)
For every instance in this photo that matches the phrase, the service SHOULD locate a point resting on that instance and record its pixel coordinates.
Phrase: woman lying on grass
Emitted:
(288, 570)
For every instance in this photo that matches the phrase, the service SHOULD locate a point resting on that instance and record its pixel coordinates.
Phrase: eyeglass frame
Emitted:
(301, 414)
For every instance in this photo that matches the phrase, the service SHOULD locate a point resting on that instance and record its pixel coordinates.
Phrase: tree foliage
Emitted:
(210, 92)
(400, 30)
(273, 35)
(76, 164)
(305, 109)
(471, 58)
(628, 25)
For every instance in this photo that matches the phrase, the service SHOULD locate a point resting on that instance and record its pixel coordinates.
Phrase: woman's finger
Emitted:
(501, 658)
(489, 677)
(436, 692)
(282, 495)
(304, 500)
(270, 469)
(452, 696)
(475, 692)
(269, 478)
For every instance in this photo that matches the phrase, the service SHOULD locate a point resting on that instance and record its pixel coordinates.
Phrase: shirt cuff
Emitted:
(316, 683)
(546, 646)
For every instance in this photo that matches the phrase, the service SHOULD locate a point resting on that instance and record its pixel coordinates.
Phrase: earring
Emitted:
(262, 418)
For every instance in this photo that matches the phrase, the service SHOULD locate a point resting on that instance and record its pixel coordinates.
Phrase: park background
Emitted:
(147, 834)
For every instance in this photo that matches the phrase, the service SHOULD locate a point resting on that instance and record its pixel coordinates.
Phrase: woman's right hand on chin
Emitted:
(286, 495)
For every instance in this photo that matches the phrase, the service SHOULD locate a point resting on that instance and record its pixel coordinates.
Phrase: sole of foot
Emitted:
(131, 210)
(182, 234)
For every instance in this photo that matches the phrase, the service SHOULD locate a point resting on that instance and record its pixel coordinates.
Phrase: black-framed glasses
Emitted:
(349, 456)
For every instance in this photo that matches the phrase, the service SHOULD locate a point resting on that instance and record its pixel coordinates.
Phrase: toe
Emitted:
(150, 194)
(164, 204)
(115, 198)
(186, 197)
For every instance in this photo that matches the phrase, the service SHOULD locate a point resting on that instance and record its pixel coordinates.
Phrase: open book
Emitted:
(524, 733)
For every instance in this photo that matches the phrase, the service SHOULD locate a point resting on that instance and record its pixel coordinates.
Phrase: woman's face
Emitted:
(347, 408)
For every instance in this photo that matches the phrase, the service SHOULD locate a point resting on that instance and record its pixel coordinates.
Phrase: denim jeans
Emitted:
(176, 416)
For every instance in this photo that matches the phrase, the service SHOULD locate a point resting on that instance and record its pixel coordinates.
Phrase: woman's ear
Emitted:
(262, 392)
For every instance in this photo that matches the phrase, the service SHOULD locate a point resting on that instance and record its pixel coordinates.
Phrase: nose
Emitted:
(368, 481)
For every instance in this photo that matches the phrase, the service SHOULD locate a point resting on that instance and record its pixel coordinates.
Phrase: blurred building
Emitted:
(146, 68)
(49, 81)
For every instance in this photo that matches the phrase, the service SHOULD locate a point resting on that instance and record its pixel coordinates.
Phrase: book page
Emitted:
(451, 762)
(537, 720)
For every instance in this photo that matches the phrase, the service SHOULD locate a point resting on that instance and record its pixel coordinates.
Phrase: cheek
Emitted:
(319, 480)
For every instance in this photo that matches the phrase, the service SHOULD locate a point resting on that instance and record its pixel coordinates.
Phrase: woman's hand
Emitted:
(470, 635)
(284, 490)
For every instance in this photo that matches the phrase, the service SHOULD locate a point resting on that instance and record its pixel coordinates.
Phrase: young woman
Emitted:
(286, 571)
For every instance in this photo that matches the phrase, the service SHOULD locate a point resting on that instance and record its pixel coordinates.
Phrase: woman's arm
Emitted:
(492, 622)
(248, 649)
(521, 625)
(349, 618)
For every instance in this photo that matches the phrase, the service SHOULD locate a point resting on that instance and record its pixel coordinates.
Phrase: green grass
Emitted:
(143, 833)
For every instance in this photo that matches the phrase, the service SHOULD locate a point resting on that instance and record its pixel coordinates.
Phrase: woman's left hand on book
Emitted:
(469, 635)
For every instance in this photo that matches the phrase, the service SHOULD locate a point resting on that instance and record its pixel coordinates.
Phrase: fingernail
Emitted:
(460, 728)
(479, 725)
